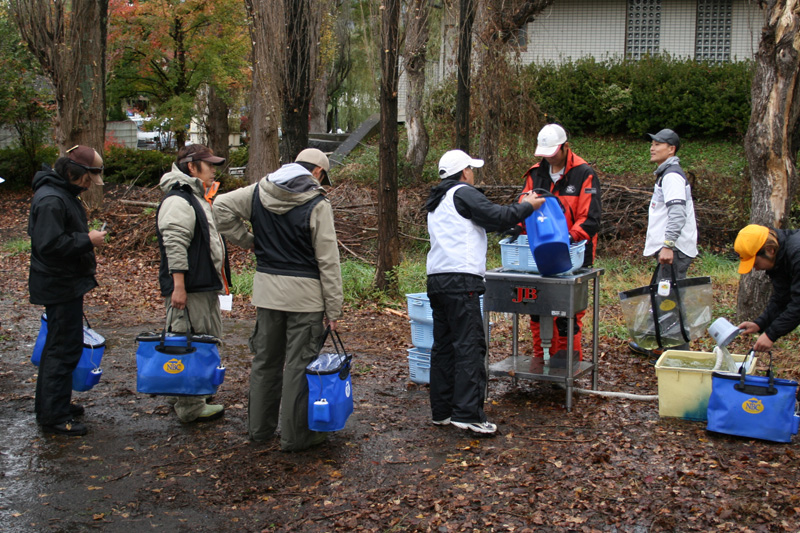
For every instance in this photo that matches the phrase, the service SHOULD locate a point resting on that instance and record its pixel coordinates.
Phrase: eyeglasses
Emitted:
(93, 170)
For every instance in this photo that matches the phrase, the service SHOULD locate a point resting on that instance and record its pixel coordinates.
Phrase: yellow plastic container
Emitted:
(684, 382)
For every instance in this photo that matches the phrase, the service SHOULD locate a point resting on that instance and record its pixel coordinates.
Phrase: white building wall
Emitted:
(678, 26)
(748, 20)
(572, 29)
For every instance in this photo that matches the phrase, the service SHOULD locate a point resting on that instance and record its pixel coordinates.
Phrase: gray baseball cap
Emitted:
(665, 136)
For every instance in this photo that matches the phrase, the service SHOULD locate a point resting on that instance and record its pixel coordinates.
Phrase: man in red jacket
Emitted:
(575, 184)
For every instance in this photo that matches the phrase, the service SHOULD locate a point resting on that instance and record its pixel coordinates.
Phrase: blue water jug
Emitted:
(548, 237)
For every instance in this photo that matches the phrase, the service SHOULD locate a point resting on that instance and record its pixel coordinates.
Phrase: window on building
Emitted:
(713, 34)
(643, 28)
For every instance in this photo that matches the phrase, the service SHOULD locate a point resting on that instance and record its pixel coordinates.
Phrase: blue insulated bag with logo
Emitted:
(178, 364)
(330, 390)
(760, 407)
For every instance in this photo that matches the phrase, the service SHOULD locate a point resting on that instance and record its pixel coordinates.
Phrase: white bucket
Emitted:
(723, 331)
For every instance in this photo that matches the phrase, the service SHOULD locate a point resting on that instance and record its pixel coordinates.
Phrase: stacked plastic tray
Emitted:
(517, 255)
(419, 357)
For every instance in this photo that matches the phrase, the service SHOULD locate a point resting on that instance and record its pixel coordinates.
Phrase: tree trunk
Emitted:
(319, 103)
(492, 80)
(217, 129)
(771, 143)
(302, 32)
(498, 26)
(266, 23)
(70, 45)
(416, 44)
(388, 237)
(465, 20)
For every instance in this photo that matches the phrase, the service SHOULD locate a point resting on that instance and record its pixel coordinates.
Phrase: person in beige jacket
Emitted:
(297, 288)
(192, 271)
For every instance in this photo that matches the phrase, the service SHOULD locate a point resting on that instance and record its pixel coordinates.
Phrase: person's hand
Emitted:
(665, 256)
(512, 233)
(332, 324)
(534, 199)
(179, 298)
(763, 343)
(748, 327)
(97, 237)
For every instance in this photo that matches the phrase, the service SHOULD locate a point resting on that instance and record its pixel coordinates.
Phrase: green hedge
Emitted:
(633, 97)
(17, 167)
(123, 165)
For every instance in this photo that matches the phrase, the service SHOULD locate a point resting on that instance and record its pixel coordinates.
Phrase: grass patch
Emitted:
(242, 282)
(17, 246)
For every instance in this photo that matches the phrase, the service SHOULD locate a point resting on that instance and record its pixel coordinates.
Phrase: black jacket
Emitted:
(472, 204)
(782, 313)
(62, 256)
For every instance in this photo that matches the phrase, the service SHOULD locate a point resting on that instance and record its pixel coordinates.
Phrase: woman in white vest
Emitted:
(459, 215)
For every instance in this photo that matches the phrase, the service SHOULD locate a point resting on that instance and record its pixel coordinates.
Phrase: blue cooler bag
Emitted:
(330, 391)
(548, 236)
(178, 364)
(87, 374)
(760, 407)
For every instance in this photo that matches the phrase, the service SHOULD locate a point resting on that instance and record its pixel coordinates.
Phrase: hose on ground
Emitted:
(626, 395)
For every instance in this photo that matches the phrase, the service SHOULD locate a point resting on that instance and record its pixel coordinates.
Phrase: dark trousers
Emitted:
(61, 354)
(458, 372)
(680, 265)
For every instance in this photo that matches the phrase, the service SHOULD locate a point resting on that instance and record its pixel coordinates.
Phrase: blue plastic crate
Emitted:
(419, 308)
(419, 365)
(517, 255)
(420, 354)
(422, 335)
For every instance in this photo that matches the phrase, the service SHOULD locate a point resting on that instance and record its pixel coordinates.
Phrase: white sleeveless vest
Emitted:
(457, 244)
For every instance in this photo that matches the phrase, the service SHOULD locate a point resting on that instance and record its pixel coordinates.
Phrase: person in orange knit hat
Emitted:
(777, 252)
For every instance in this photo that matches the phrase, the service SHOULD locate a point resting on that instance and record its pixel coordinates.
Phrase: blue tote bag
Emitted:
(178, 364)
(548, 236)
(88, 372)
(330, 390)
(760, 407)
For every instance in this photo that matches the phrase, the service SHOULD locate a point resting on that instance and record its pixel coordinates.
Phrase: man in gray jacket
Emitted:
(297, 285)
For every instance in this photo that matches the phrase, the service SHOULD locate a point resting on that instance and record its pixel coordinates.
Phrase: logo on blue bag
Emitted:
(173, 366)
(347, 390)
(753, 406)
(541, 218)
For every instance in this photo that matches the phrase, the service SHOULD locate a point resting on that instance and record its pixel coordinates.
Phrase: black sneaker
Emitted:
(76, 409)
(71, 428)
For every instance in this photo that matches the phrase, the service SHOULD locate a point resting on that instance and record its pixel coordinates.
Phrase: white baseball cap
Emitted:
(550, 138)
(455, 161)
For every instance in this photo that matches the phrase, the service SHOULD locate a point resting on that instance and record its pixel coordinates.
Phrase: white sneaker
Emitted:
(443, 422)
(486, 428)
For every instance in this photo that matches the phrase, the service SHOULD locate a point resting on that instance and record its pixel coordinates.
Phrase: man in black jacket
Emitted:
(777, 252)
(62, 270)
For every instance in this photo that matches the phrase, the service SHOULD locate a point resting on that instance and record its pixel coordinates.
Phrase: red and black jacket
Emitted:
(578, 190)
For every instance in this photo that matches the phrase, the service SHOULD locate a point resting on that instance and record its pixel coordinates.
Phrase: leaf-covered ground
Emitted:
(608, 465)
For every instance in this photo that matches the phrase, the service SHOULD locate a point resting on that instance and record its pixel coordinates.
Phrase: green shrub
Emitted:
(696, 99)
(17, 167)
(124, 165)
